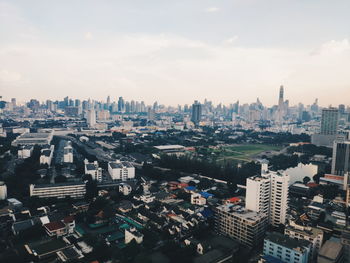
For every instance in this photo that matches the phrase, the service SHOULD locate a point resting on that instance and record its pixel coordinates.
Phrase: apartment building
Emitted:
(120, 170)
(268, 193)
(311, 234)
(247, 227)
(62, 190)
(94, 170)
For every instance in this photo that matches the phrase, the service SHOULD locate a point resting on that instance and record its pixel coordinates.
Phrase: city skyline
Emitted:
(160, 51)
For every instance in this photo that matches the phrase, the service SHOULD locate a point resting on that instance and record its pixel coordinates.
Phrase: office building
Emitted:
(121, 170)
(196, 113)
(68, 153)
(268, 193)
(329, 128)
(91, 118)
(247, 227)
(329, 121)
(121, 105)
(62, 190)
(286, 249)
(308, 233)
(94, 170)
(341, 157)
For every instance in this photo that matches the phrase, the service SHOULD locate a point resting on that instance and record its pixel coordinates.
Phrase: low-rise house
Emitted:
(133, 234)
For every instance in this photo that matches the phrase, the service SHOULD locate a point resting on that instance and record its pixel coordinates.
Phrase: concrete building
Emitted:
(329, 121)
(133, 234)
(286, 249)
(61, 190)
(3, 191)
(94, 170)
(25, 151)
(46, 155)
(119, 170)
(68, 153)
(311, 234)
(331, 252)
(247, 227)
(125, 189)
(341, 157)
(196, 113)
(41, 138)
(198, 199)
(268, 193)
(91, 118)
(329, 128)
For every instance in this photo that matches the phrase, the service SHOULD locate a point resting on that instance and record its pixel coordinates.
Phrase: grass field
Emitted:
(242, 152)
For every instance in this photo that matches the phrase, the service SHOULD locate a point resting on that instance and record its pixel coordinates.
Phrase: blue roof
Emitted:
(190, 188)
(206, 194)
(207, 213)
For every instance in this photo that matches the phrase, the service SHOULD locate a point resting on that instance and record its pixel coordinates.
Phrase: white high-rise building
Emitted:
(94, 170)
(268, 193)
(68, 153)
(91, 118)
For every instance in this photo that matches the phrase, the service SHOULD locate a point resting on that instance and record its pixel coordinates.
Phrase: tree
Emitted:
(306, 180)
(60, 179)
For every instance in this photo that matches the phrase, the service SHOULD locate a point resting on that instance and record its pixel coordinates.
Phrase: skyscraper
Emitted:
(196, 113)
(341, 157)
(280, 98)
(329, 128)
(121, 104)
(329, 121)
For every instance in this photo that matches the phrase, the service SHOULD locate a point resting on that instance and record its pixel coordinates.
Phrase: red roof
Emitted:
(312, 184)
(52, 226)
(68, 219)
(234, 199)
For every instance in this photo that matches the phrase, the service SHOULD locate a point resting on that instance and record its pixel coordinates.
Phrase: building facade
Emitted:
(62, 190)
(286, 249)
(119, 170)
(247, 227)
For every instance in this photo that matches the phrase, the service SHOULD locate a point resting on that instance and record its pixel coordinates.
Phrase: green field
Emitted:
(242, 152)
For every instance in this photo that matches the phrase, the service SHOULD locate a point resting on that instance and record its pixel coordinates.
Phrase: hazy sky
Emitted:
(176, 51)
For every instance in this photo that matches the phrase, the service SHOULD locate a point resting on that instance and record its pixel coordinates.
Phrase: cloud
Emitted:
(231, 40)
(174, 69)
(88, 35)
(9, 77)
(212, 9)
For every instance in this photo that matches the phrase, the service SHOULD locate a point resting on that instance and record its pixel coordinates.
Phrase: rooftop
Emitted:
(285, 241)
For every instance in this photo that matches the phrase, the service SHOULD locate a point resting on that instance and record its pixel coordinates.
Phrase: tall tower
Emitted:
(196, 113)
(281, 98)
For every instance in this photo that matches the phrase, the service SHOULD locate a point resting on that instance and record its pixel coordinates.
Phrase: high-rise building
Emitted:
(329, 121)
(91, 118)
(121, 104)
(329, 128)
(341, 157)
(196, 113)
(268, 193)
(281, 97)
